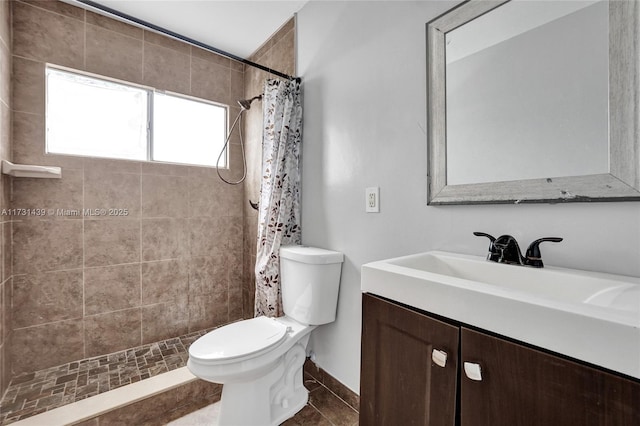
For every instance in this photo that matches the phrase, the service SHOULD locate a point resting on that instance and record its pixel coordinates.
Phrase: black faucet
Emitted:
(505, 249)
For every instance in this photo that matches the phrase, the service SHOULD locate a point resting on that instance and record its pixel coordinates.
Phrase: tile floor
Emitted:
(34, 393)
(323, 409)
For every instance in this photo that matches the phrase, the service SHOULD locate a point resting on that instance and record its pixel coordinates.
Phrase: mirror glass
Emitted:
(527, 93)
(534, 101)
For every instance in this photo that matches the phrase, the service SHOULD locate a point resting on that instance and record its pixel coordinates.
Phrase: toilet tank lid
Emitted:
(311, 255)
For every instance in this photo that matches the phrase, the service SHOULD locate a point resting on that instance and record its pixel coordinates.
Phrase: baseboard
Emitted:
(334, 385)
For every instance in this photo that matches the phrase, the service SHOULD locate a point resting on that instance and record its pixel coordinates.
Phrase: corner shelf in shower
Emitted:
(29, 171)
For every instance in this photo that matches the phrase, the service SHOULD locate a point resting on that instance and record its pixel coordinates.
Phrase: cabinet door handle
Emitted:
(473, 371)
(439, 357)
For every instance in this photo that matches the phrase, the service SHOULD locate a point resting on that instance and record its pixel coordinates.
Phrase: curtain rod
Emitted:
(156, 28)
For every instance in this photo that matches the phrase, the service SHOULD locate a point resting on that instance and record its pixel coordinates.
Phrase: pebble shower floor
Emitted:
(34, 393)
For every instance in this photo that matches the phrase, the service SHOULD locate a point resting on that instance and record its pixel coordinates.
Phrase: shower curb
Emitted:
(103, 403)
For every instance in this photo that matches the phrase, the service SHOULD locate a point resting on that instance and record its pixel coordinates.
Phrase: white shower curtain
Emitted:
(279, 212)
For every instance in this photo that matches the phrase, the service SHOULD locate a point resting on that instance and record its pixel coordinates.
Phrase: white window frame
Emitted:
(149, 125)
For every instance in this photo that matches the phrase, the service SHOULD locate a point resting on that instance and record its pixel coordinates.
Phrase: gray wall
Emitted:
(365, 109)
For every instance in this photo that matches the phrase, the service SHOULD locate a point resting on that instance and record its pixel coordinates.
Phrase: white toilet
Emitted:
(260, 360)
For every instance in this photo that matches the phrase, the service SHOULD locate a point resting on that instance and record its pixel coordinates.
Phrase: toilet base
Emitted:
(270, 399)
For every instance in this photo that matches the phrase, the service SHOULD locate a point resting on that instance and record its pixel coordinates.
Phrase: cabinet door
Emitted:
(523, 386)
(399, 383)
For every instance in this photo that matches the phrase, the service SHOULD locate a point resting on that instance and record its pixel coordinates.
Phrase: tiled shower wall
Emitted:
(89, 286)
(5, 183)
(277, 53)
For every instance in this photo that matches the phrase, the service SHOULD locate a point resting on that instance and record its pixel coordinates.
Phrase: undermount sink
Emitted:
(594, 317)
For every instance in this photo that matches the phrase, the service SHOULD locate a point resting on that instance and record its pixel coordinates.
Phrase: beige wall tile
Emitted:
(5, 132)
(281, 55)
(60, 41)
(164, 281)
(5, 195)
(265, 52)
(7, 252)
(153, 168)
(208, 310)
(118, 193)
(235, 302)
(168, 42)
(5, 70)
(234, 110)
(28, 138)
(5, 368)
(158, 192)
(234, 261)
(231, 229)
(206, 172)
(165, 320)
(44, 297)
(111, 242)
(111, 288)
(58, 7)
(204, 236)
(210, 197)
(7, 318)
(8, 313)
(237, 66)
(113, 25)
(107, 165)
(57, 343)
(199, 53)
(210, 81)
(207, 275)
(2, 324)
(166, 69)
(113, 54)
(52, 195)
(164, 196)
(111, 332)
(236, 165)
(28, 85)
(3, 247)
(236, 88)
(164, 239)
(5, 22)
(46, 245)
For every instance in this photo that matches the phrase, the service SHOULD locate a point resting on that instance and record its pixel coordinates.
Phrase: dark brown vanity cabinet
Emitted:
(515, 385)
(400, 384)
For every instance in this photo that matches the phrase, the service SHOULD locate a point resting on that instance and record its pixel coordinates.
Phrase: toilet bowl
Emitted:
(259, 361)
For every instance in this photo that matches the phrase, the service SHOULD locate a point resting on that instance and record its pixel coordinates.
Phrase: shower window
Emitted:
(97, 117)
(190, 123)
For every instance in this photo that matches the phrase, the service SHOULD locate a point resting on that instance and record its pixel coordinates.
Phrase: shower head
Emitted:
(246, 103)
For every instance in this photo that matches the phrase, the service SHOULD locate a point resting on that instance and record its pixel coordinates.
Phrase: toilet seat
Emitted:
(243, 339)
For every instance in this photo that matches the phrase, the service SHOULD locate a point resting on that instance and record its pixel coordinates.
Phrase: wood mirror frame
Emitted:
(622, 183)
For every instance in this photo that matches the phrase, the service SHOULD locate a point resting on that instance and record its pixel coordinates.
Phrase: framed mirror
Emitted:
(534, 102)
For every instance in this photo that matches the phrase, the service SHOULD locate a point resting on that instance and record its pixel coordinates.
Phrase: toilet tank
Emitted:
(310, 279)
